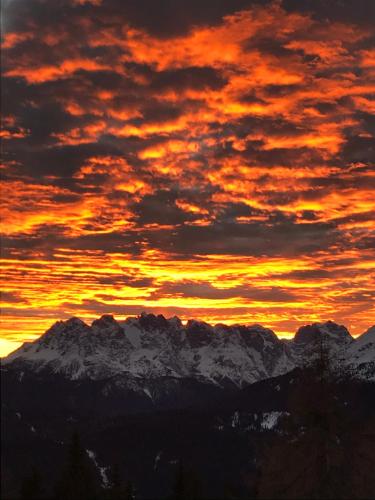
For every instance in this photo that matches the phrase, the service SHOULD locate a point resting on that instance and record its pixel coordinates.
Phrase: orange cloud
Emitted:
(41, 74)
(221, 170)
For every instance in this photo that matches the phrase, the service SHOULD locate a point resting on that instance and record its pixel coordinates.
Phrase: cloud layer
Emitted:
(210, 158)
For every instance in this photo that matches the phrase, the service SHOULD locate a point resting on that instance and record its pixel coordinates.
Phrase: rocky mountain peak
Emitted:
(368, 336)
(152, 346)
(329, 332)
(106, 319)
(363, 349)
(61, 332)
(153, 322)
(107, 325)
(175, 322)
(71, 324)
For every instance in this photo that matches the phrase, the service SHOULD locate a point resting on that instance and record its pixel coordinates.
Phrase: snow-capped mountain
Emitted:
(310, 339)
(361, 355)
(336, 335)
(151, 390)
(151, 347)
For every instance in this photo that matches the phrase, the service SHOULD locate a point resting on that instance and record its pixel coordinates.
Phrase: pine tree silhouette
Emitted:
(129, 491)
(187, 484)
(179, 488)
(31, 487)
(77, 481)
(117, 491)
(312, 457)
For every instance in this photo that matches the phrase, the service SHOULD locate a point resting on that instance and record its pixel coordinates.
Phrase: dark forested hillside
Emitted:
(240, 445)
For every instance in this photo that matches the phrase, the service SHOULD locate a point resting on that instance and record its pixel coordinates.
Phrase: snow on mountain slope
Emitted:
(152, 346)
(310, 339)
(77, 350)
(361, 355)
(363, 349)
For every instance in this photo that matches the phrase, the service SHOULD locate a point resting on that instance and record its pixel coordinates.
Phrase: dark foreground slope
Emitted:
(232, 411)
(220, 442)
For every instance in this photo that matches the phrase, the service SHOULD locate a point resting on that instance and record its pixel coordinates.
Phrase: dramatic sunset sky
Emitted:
(204, 158)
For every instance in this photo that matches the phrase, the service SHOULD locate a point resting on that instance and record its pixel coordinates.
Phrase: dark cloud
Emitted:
(60, 161)
(119, 280)
(48, 237)
(142, 139)
(99, 307)
(167, 18)
(12, 297)
(161, 208)
(229, 212)
(247, 239)
(208, 291)
(187, 78)
(358, 297)
(309, 274)
(358, 149)
(361, 12)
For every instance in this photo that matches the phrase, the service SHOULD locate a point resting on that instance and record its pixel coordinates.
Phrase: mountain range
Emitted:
(147, 392)
(150, 347)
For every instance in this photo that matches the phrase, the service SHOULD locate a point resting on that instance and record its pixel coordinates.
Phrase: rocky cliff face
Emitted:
(151, 347)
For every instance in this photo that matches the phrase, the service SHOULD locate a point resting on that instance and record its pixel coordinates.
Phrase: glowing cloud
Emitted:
(215, 165)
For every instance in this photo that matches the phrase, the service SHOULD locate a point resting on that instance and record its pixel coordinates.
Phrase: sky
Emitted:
(206, 159)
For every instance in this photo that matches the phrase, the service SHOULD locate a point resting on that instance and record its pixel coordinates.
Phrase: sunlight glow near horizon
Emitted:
(221, 169)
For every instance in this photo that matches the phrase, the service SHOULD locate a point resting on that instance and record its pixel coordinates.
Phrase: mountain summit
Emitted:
(151, 347)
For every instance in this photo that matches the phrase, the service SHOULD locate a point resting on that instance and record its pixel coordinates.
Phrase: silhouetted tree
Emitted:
(187, 485)
(77, 481)
(179, 488)
(360, 465)
(117, 490)
(230, 492)
(312, 456)
(129, 491)
(31, 487)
